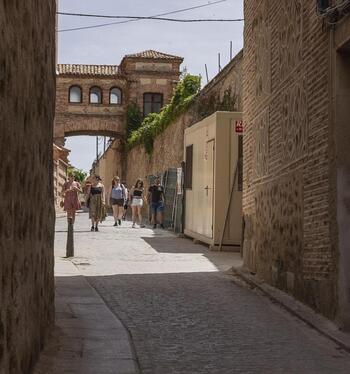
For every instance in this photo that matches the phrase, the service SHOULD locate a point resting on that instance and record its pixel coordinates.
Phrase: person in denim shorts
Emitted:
(156, 200)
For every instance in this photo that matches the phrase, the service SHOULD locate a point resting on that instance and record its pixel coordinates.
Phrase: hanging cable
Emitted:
(135, 20)
(151, 18)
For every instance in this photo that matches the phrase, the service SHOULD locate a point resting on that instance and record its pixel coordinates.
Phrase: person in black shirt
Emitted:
(156, 199)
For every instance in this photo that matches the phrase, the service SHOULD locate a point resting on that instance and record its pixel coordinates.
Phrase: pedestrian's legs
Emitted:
(161, 214)
(115, 213)
(139, 214)
(69, 214)
(120, 213)
(125, 209)
(161, 217)
(154, 214)
(73, 215)
(134, 214)
(92, 223)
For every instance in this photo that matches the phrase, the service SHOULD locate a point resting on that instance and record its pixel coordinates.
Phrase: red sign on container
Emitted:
(239, 126)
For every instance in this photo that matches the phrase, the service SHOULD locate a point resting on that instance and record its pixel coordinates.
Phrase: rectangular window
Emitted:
(189, 167)
(152, 103)
(240, 163)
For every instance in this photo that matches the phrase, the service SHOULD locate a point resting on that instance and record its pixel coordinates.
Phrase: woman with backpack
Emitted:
(118, 197)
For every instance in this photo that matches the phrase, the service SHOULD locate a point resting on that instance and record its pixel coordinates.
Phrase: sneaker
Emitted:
(133, 226)
(92, 228)
(155, 226)
(115, 223)
(96, 228)
(162, 226)
(119, 222)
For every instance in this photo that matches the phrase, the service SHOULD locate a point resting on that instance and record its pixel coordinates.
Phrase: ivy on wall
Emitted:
(205, 105)
(133, 118)
(155, 123)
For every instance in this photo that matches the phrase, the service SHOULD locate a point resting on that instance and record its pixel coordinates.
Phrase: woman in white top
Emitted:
(137, 197)
(118, 197)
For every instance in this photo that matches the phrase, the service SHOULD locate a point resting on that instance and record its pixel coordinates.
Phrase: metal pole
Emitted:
(183, 165)
(230, 50)
(96, 149)
(70, 239)
(219, 62)
(206, 72)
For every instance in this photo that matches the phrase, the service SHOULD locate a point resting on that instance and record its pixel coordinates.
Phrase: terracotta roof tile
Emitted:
(102, 70)
(154, 54)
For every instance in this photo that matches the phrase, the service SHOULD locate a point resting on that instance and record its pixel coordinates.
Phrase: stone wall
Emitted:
(27, 92)
(288, 200)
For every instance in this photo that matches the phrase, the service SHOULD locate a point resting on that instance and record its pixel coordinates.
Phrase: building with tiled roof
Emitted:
(93, 99)
(93, 70)
(151, 54)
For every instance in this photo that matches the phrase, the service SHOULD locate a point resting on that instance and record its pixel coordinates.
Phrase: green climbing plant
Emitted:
(155, 123)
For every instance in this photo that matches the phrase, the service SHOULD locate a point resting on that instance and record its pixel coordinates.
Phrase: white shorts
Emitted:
(137, 202)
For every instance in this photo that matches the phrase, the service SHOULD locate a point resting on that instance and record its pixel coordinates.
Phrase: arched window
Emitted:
(95, 95)
(115, 96)
(75, 94)
(152, 103)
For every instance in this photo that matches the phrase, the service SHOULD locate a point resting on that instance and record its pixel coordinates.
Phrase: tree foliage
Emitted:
(79, 174)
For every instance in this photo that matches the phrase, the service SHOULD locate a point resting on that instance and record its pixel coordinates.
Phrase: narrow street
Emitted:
(185, 314)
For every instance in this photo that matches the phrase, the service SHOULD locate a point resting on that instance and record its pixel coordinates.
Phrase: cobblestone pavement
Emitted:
(185, 315)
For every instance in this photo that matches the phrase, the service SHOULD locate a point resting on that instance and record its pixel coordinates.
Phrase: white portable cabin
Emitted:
(213, 158)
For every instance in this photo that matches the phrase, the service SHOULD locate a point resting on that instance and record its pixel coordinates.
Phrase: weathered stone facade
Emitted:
(27, 92)
(290, 188)
(145, 72)
(224, 92)
(60, 168)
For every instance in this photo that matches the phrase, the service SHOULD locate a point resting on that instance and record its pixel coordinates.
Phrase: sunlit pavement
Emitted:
(184, 313)
(127, 250)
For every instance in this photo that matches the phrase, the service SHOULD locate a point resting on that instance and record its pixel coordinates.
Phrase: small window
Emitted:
(115, 96)
(152, 103)
(95, 95)
(189, 166)
(75, 94)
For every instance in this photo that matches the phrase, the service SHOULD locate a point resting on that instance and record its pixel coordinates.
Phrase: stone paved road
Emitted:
(185, 315)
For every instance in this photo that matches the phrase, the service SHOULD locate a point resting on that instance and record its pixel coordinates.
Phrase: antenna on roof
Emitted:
(219, 62)
(206, 73)
(230, 50)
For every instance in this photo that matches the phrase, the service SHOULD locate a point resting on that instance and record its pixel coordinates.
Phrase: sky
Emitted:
(198, 43)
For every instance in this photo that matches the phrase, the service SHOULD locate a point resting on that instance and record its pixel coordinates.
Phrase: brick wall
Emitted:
(27, 91)
(287, 200)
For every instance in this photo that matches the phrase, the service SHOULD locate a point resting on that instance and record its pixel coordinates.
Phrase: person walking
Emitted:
(70, 191)
(96, 197)
(137, 196)
(126, 203)
(155, 198)
(118, 197)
